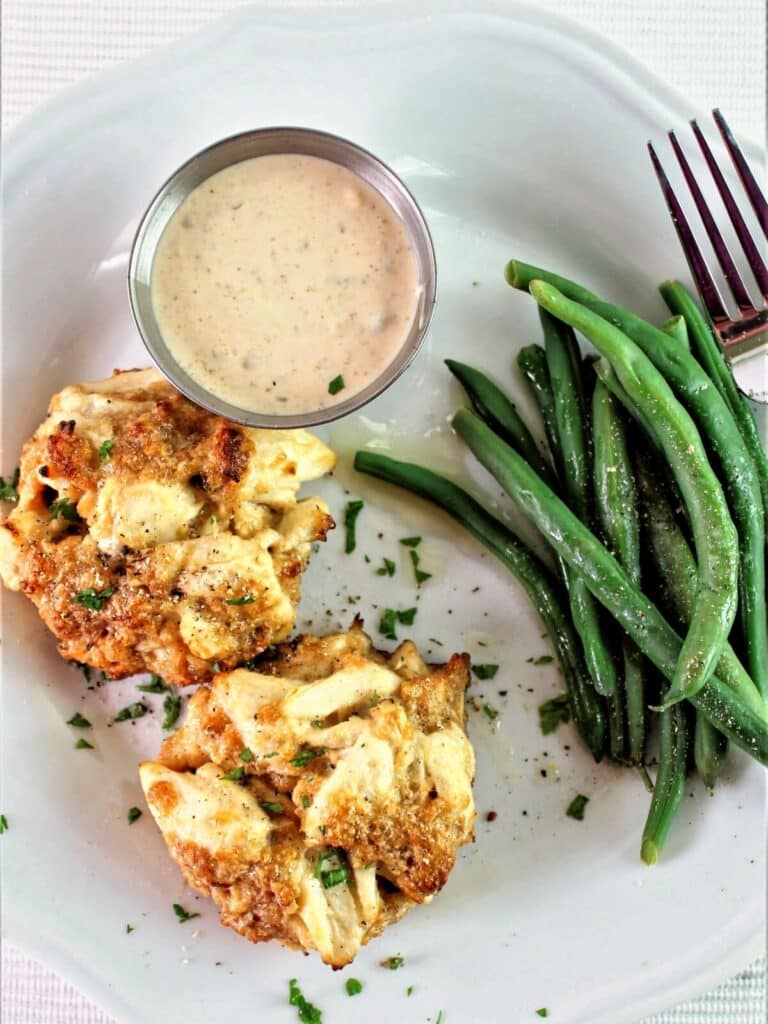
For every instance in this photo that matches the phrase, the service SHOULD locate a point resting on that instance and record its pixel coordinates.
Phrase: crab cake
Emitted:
(321, 796)
(154, 536)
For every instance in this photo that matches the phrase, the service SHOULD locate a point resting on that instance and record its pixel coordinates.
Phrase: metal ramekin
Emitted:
(243, 147)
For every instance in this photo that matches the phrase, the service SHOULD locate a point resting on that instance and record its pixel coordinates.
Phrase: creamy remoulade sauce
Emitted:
(279, 275)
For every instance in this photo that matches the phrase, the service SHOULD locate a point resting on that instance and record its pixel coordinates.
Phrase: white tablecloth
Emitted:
(710, 50)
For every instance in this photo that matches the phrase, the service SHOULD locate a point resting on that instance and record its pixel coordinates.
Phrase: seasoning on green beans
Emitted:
(585, 705)
(617, 515)
(715, 536)
(740, 720)
(564, 365)
(738, 462)
(532, 362)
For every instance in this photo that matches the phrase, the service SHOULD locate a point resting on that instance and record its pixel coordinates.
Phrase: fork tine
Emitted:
(755, 196)
(742, 231)
(732, 275)
(696, 262)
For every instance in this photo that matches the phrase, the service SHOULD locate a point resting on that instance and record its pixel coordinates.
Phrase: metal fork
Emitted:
(747, 335)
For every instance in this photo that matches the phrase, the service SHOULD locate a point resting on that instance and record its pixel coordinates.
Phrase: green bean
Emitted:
(543, 591)
(711, 356)
(738, 719)
(565, 372)
(669, 789)
(492, 405)
(715, 536)
(710, 750)
(736, 460)
(617, 515)
(676, 328)
(532, 361)
(675, 567)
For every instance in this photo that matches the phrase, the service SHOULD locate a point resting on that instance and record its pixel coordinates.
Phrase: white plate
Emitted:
(519, 134)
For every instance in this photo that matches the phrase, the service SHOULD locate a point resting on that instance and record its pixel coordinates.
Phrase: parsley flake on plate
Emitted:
(182, 914)
(308, 1013)
(490, 712)
(93, 599)
(3, 824)
(78, 721)
(155, 685)
(336, 385)
(172, 710)
(128, 929)
(393, 963)
(351, 512)
(410, 542)
(387, 568)
(577, 806)
(83, 745)
(553, 712)
(419, 574)
(131, 712)
(543, 659)
(133, 814)
(542, 1012)
(353, 987)
(485, 671)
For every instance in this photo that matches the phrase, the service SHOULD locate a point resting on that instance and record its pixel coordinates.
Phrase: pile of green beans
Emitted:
(647, 444)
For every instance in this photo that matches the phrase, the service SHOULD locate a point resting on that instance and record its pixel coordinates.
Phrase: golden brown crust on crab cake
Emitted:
(154, 536)
(340, 758)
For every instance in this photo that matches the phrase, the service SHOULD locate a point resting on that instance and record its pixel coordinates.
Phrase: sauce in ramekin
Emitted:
(284, 284)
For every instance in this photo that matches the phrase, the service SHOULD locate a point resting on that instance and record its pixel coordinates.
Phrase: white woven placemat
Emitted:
(710, 50)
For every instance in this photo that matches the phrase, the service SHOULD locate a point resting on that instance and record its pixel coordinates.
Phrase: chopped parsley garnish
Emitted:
(85, 669)
(553, 712)
(305, 801)
(182, 914)
(79, 721)
(172, 710)
(155, 685)
(410, 542)
(93, 599)
(409, 990)
(131, 712)
(492, 713)
(133, 815)
(83, 745)
(439, 1017)
(308, 1013)
(351, 512)
(387, 568)
(336, 873)
(543, 659)
(8, 491)
(128, 929)
(3, 824)
(302, 757)
(542, 1012)
(336, 385)
(576, 807)
(485, 671)
(393, 963)
(246, 755)
(273, 754)
(421, 576)
(246, 599)
(105, 449)
(391, 617)
(66, 509)
(271, 806)
(434, 640)
(236, 775)
(353, 987)
(373, 700)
